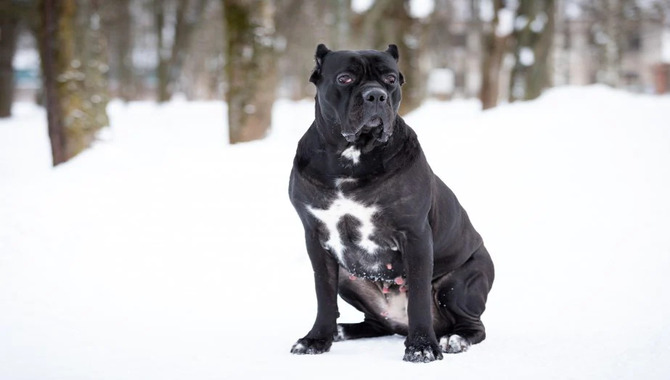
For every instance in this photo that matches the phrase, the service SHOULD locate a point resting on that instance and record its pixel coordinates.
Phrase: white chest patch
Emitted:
(352, 154)
(331, 216)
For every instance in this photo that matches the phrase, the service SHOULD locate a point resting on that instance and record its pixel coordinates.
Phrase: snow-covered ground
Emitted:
(163, 253)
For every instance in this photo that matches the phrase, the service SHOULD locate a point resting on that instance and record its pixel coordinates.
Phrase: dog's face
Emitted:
(358, 92)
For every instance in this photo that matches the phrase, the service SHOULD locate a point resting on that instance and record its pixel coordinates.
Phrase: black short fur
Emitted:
(424, 247)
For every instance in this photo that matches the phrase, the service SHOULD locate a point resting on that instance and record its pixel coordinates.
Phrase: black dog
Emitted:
(381, 229)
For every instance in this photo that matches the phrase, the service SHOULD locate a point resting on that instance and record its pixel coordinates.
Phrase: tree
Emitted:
(9, 29)
(74, 71)
(614, 23)
(328, 22)
(250, 69)
(495, 37)
(532, 39)
(119, 21)
(171, 57)
(389, 22)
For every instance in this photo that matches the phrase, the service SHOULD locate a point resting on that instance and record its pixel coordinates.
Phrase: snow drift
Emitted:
(163, 253)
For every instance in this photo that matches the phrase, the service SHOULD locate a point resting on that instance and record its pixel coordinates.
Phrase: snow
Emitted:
(421, 8)
(417, 8)
(26, 59)
(164, 253)
(526, 56)
(440, 81)
(505, 22)
(573, 10)
(520, 22)
(665, 46)
(360, 6)
(539, 22)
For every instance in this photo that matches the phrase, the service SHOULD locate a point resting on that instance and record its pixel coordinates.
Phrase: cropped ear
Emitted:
(321, 52)
(393, 51)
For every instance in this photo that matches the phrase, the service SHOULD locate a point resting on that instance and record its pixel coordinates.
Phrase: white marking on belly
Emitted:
(396, 308)
(331, 216)
(352, 154)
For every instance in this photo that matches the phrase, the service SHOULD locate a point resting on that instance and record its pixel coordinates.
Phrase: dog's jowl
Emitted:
(381, 229)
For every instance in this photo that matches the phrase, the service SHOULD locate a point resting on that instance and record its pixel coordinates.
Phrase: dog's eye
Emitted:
(345, 79)
(390, 79)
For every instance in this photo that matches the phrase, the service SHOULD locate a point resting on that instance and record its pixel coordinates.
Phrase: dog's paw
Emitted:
(454, 344)
(309, 346)
(422, 353)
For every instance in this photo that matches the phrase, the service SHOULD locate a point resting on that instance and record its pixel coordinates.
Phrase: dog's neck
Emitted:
(325, 156)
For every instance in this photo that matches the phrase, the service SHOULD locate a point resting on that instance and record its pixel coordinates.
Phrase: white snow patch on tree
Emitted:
(360, 6)
(505, 22)
(486, 11)
(421, 8)
(539, 22)
(526, 56)
(573, 10)
(520, 22)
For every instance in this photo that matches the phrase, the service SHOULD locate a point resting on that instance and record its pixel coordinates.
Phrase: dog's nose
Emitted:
(375, 95)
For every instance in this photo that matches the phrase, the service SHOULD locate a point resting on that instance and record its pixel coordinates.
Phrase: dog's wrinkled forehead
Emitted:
(361, 62)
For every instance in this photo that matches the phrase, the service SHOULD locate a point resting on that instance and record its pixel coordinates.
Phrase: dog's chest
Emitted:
(357, 233)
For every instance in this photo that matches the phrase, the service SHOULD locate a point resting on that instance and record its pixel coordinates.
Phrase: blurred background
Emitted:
(73, 56)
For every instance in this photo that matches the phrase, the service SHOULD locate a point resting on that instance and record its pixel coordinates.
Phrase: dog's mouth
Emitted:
(371, 130)
(374, 122)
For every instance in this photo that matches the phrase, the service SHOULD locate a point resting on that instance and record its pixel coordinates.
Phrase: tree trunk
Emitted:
(613, 46)
(171, 58)
(389, 22)
(533, 41)
(95, 60)
(494, 45)
(123, 51)
(49, 12)
(250, 69)
(9, 22)
(74, 68)
(162, 59)
(540, 75)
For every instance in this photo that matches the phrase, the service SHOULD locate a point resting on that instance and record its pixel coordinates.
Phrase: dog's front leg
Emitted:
(320, 338)
(421, 343)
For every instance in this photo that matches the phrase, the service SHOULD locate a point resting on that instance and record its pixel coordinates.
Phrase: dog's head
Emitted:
(358, 92)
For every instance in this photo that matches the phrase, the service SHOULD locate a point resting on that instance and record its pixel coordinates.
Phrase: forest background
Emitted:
(73, 56)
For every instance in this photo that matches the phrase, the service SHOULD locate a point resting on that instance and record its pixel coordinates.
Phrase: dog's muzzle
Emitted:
(374, 110)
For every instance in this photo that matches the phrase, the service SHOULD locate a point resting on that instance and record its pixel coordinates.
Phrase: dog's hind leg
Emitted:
(461, 299)
(369, 328)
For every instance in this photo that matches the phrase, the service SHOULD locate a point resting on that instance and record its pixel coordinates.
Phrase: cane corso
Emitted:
(381, 229)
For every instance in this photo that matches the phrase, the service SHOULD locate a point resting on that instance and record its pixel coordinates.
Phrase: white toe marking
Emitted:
(454, 344)
(340, 334)
(352, 154)
(298, 347)
(331, 216)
